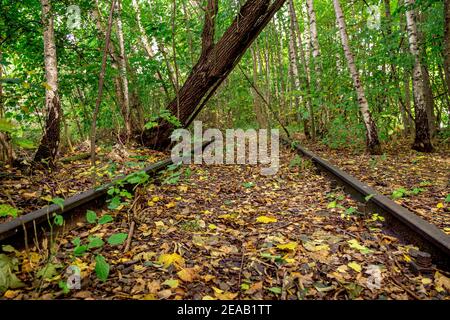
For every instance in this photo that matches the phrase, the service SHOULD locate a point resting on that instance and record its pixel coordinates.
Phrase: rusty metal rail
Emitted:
(399, 220)
(19, 229)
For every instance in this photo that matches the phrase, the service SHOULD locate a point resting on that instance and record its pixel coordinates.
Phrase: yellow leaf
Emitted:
(208, 298)
(226, 295)
(441, 282)
(183, 188)
(156, 199)
(46, 86)
(265, 219)
(212, 226)
(217, 290)
(426, 281)
(178, 198)
(228, 216)
(288, 246)
(208, 277)
(159, 224)
(171, 283)
(149, 296)
(440, 205)
(10, 294)
(355, 266)
(315, 246)
(186, 275)
(169, 259)
(342, 269)
(170, 205)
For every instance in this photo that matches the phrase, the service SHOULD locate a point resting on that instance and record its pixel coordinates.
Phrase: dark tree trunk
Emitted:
(214, 67)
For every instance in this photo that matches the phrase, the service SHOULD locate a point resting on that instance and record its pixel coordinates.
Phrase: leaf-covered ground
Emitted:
(227, 232)
(417, 181)
(30, 188)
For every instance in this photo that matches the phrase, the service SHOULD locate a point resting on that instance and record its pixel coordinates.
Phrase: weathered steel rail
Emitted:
(19, 230)
(399, 220)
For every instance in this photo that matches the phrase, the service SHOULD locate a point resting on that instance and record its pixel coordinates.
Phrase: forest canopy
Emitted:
(342, 72)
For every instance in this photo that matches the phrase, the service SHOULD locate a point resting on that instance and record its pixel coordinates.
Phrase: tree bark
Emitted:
(212, 69)
(100, 84)
(446, 52)
(305, 75)
(422, 141)
(146, 44)
(373, 144)
(48, 147)
(123, 72)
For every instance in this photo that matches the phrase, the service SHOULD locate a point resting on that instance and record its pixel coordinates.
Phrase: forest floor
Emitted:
(227, 232)
(420, 182)
(27, 191)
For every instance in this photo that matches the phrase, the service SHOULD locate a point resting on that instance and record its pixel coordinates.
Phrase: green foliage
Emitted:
(105, 219)
(91, 216)
(7, 210)
(101, 268)
(117, 239)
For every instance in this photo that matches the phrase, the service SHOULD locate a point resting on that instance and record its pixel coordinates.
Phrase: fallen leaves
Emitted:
(264, 219)
(168, 259)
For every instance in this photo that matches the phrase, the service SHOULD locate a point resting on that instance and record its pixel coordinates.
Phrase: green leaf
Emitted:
(58, 201)
(447, 199)
(49, 271)
(95, 242)
(101, 268)
(114, 203)
(117, 239)
(6, 126)
(105, 219)
(8, 248)
(76, 241)
(79, 250)
(58, 220)
(248, 184)
(91, 216)
(7, 278)
(7, 210)
(332, 204)
(276, 290)
(63, 285)
(368, 197)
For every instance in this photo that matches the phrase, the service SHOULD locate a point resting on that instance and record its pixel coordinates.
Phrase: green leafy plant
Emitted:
(8, 211)
(101, 268)
(117, 239)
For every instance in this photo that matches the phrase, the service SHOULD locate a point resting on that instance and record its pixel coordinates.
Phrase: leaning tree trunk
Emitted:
(48, 147)
(373, 144)
(422, 140)
(215, 64)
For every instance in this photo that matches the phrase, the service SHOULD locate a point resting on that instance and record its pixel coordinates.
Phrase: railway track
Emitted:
(403, 223)
(399, 222)
(19, 230)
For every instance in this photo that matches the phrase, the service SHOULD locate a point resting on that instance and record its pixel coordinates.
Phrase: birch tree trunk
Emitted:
(123, 72)
(446, 52)
(373, 144)
(305, 70)
(422, 141)
(146, 44)
(314, 36)
(48, 147)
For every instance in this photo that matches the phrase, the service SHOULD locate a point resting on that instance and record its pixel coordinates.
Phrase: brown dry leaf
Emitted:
(187, 275)
(154, 286)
